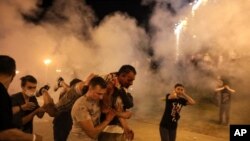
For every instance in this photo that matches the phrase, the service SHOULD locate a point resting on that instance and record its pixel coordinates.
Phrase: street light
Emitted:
(17, 71)
(58, 70)
(47, 62)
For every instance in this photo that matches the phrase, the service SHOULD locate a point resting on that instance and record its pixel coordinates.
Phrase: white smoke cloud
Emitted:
(68, 37)
(71, 41)
(216, 36)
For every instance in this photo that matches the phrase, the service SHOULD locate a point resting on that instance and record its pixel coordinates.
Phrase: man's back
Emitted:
(5, 109)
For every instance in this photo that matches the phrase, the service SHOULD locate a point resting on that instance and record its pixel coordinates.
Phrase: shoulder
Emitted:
(81, 100)
(16, 95)
(80, 105)
(167, 95)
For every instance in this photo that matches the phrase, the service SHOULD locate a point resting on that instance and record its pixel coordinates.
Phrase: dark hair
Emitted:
(178, 85)
(97, 80)
(225, 80)
(126, 69)
(74, 81)
(27, 78)
(7, 65)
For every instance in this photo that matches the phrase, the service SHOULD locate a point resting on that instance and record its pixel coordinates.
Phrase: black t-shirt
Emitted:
(172, 112)
(6, 115)
(127, 101)
(18, 99)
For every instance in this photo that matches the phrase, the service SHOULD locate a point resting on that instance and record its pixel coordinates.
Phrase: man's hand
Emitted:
(42, 90)
(88, 78)
(60, 80)
(226, 87)
(129, 134)
(41, 110)
(110, 115)
(28, 106)
(18, 135)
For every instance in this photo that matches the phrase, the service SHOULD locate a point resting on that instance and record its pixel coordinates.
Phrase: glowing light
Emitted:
(47, 61)
(197, 4)
(179, 27)
(58, 70)
(17, 71)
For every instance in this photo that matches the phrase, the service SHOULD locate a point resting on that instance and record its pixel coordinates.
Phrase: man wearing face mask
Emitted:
(25, 105)
(7, 129)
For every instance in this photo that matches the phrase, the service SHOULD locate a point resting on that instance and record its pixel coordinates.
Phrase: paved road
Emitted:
(144, 131)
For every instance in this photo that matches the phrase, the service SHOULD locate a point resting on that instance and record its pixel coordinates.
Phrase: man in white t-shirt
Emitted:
(86, 113)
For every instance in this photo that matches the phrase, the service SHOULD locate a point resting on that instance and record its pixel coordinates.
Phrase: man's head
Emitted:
(126, 75)
(179, 88)
(29, 84)
(97, 88)
(7, 69)
(74, 81)
(225, 81)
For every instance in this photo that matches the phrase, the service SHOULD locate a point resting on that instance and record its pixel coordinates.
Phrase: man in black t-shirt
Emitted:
(174, 102)
(25, 105)
(121, 101)
(7, 130)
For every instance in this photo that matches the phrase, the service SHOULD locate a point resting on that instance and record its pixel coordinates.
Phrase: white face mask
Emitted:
(29, 93)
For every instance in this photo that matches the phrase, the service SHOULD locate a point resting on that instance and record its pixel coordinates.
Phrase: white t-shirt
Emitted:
(84, 109)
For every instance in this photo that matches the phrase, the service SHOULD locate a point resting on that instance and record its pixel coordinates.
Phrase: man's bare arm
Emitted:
(18, 135)
(93, 131)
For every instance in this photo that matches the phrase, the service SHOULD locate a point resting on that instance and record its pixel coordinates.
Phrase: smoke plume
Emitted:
(214, 42)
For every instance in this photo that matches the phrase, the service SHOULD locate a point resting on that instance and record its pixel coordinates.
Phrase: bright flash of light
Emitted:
(197, 4)
(179, 27)
(47, 61)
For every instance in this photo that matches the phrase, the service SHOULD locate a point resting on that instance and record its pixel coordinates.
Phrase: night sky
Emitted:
(102, 8)
(132, 7)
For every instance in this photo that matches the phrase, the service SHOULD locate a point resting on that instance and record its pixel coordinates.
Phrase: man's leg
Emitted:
(172, 134)
(58, 130)
(221, 112)
(164, 133)
(227, 113)
(56, 133)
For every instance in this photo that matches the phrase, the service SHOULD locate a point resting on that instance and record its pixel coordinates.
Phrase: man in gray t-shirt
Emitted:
(86, 113)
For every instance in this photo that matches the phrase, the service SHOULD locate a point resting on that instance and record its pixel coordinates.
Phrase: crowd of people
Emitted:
(94, 109)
